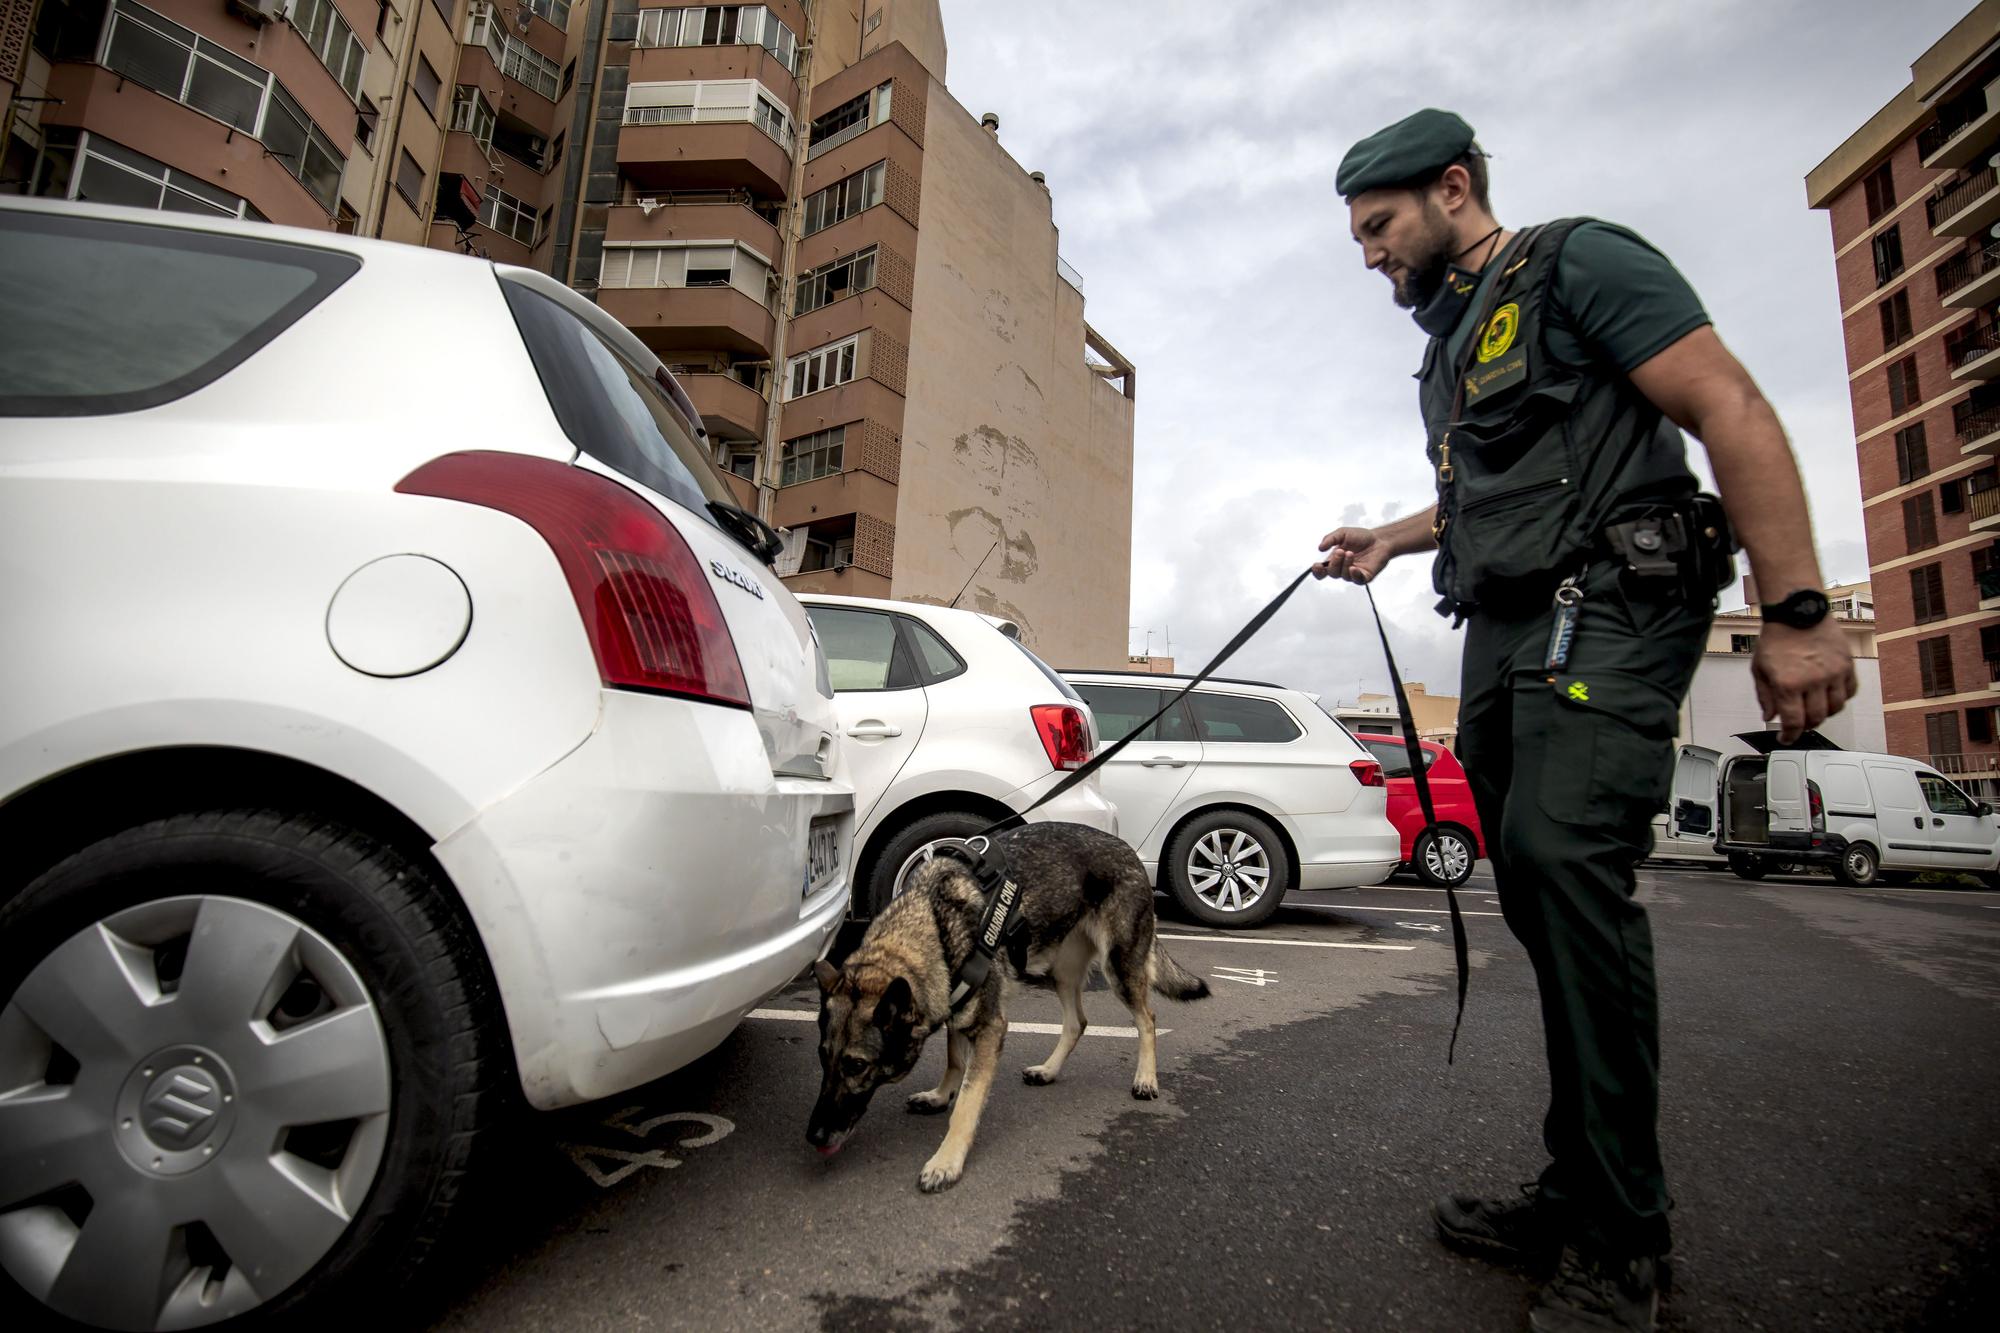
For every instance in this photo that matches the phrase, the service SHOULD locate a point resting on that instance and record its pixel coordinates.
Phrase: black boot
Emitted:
(1522, 1231)
(1594, 1293)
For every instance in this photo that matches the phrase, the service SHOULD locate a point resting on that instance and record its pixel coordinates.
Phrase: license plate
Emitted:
(822, 854)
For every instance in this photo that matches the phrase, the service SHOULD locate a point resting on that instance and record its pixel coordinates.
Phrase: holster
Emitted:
(1685, 545)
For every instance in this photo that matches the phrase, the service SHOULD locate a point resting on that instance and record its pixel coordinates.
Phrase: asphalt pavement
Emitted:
(1830, 1101)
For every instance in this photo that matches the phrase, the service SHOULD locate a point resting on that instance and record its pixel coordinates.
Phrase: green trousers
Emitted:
(1567, 768)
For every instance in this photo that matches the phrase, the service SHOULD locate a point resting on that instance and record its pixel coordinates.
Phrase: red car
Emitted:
(1446, 858)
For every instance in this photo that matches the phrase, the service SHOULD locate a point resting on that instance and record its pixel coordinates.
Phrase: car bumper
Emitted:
(642, 895)
(1344, 851)
(1081, 804)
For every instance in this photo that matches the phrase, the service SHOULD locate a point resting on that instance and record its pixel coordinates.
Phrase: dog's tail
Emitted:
(1171, 979)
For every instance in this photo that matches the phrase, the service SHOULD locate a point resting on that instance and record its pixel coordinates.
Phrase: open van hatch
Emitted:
(1763, 742)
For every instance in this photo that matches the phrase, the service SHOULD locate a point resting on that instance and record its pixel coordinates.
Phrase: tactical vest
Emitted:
(1532, 455)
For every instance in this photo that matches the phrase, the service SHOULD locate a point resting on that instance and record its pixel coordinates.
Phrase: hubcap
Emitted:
(199, 1101)
(917, 858)
(1229, 870)
(1447, 857)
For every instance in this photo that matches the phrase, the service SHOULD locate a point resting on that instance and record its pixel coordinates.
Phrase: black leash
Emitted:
(1002, 894)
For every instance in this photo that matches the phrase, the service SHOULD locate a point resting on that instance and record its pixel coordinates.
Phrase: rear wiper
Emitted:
(747, 528)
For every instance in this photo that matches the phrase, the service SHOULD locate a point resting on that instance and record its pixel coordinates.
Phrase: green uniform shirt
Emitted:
(1617, 300)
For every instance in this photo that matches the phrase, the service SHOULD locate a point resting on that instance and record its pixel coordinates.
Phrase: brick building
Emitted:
(1913, 197)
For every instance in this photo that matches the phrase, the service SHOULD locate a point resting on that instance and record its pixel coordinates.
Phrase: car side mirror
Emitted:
(1983, 809)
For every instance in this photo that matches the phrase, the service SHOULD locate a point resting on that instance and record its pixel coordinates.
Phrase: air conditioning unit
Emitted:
(258, 12)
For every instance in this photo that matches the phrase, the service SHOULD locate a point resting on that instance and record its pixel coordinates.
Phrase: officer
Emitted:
(1571, 542)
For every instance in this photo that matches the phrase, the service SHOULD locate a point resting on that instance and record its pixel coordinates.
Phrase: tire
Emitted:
(1858, 866)
(1745, 866)
(268, 928)
(912, 845)
(1444, 858)
(1193, 869)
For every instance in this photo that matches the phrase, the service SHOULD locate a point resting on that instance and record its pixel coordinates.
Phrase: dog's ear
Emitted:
(897, 1005)
(828, 974)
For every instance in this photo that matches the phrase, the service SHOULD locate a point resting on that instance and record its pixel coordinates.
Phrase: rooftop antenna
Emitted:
(975, 572)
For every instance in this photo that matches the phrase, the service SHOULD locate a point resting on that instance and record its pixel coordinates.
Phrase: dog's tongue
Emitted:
(829, 1151)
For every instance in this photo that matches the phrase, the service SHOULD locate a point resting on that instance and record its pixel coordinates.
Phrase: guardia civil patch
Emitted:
(1500, 331)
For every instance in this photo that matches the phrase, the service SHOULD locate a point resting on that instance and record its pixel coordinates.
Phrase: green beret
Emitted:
(1414, 148)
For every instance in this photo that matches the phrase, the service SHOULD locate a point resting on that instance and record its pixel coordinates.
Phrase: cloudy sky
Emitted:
(1191, 149)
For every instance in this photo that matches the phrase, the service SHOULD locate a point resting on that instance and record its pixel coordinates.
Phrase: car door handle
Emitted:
(1918, 821)
(874, 731)
(1163, 761)
(1937, 823)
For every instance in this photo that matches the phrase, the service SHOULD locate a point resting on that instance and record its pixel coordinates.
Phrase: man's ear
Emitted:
(828, 975)
(897, 1005)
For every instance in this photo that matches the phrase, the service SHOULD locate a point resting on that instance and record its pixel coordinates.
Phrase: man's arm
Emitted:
(1358, 554)
(1803, 676)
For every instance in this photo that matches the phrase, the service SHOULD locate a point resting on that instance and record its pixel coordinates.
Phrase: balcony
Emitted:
(1965, 127)
(1973, 351)
(1966, 205)
(685, 319)
(1970, 278)
(1987, 581)
(1982, 509)
(1978, 428)
(1960, 765)
(730, 409)
(712, 155)
(711, 215)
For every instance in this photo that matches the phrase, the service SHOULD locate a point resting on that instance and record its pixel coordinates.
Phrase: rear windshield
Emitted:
(105, 317)
(615, 404)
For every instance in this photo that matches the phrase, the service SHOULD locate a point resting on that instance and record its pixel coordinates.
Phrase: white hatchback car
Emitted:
(1241, 793)
(392, 711)
(952, 724)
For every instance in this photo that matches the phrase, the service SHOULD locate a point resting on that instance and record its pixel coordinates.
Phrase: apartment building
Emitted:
(858, 286)
(1913, 198)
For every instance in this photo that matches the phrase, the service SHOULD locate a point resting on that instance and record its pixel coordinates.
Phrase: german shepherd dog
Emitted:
(1084, 900)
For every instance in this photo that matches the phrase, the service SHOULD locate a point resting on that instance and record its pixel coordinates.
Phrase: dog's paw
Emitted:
(928, 1103)
(939, 1175)
(1145, 1092)
(1037, 1076)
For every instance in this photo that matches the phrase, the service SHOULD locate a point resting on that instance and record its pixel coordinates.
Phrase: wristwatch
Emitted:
(1802, 610)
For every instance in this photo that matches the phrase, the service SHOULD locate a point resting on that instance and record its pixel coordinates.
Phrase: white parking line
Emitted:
(1299, 944)
(1440, 911)
(1406, 888)
(1045, 1029)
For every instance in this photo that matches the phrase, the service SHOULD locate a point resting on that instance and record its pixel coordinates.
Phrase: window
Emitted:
(1232, 717)
(555, 11)
(1119, 708)
(425, 83)
(1048, 672)
(1979, 725)
(1986, 578)
(1903, 391)
(1951, 497)
(1880, 188)
(1934, 667)
(821, 368)
(472, 114)
(1941, 733)
(721, 25)
(709, 101)
(521, 146)
(612, 398)
(1895, 319)
(852, 118)
(110, 173)
(107, 317)
(1989, 643)
(1395, 759)
(1913, 457)
(830, 282)
(814, 455)
(934, 655)
(1919, 523)
(568, 77)
(714, 264)
(509, 216)
(1942, 797)
(863, 650)
(410, 180)
(1927, 593)
(171, 60)
(1888, 255)
(513, 57)
(844, 198)
(1742, 643)
(556, 150)
(367, 117)
(327, 33)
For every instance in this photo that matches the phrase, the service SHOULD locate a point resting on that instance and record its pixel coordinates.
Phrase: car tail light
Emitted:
(647, 605)
(1064, 732)
(1368, 772)
(1818, 804)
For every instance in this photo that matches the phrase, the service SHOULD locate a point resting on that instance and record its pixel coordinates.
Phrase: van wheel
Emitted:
(1227, 868)
(1443, 859)
(1745, 866)
(250, 1055)
(915, 843)
(1858, 866)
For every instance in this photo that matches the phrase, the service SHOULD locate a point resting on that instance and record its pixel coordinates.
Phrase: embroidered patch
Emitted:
(1500, 331)
(1579, 691)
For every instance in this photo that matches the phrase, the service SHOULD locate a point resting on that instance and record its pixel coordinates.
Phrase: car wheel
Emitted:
(913, 844)
(1444, 858)
(1857, 867)
(1227, 868)
(1745, 866)
(249, 1056)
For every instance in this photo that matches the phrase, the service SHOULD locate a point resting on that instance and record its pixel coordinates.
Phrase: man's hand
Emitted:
(1803, 676)
(1354, 554)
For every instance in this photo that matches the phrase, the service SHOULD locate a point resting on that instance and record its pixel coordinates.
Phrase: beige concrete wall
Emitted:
(848, 31)
(1006, 436)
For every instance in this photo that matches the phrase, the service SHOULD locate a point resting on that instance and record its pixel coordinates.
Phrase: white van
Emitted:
(1868, 817)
